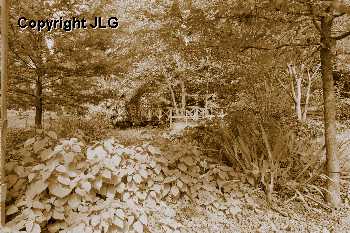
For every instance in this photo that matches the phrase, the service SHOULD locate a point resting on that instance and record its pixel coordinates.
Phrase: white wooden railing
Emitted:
(195, 113)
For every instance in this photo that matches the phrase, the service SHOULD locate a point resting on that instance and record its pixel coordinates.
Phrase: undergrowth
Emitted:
(276, 158)
(91, 129)
(16, 137)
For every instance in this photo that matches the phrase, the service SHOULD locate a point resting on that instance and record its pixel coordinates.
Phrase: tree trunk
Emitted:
(296, 88)
(4, 79)
(327, 43)
(298, 98)
(183, 97)
(172, 93)
(38, 104)
(307, 98)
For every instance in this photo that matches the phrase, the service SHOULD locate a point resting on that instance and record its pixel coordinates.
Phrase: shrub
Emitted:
(343, 111)
(15, 138)
(92, 128)
(269, 155)
(68, 186)
(72, 187)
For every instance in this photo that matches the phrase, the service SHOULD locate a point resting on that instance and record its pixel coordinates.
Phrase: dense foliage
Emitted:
(276, 69)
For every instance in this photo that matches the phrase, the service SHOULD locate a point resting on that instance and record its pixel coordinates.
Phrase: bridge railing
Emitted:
(195, 113)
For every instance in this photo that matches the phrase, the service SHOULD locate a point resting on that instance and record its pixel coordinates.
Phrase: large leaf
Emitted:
(40, 145)
(59, 190)
(35, 189)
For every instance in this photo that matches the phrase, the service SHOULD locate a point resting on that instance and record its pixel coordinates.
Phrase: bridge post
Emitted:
(196, 113)
(171, 116)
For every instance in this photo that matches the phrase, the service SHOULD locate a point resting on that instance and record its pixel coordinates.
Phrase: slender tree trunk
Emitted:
(4, 71)
(296, 87)
(298, 98)
(39, 103)
(333, 184)
(172, 93)
(183, 97)
(307, 98)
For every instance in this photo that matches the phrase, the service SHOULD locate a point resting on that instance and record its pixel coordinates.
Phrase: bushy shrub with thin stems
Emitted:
(269, 155)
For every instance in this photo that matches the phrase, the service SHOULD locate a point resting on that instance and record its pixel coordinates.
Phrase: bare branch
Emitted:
(279, 47)
(318, 27)
(20, 91)
(285, 88)
(338, 15)
(342, 36)
(318, 67)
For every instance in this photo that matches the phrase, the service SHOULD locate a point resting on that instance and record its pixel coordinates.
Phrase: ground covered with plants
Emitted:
(190, 116)
(218, 176)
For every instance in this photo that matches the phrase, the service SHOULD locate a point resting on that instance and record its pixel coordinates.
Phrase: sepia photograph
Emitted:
(175, 116)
